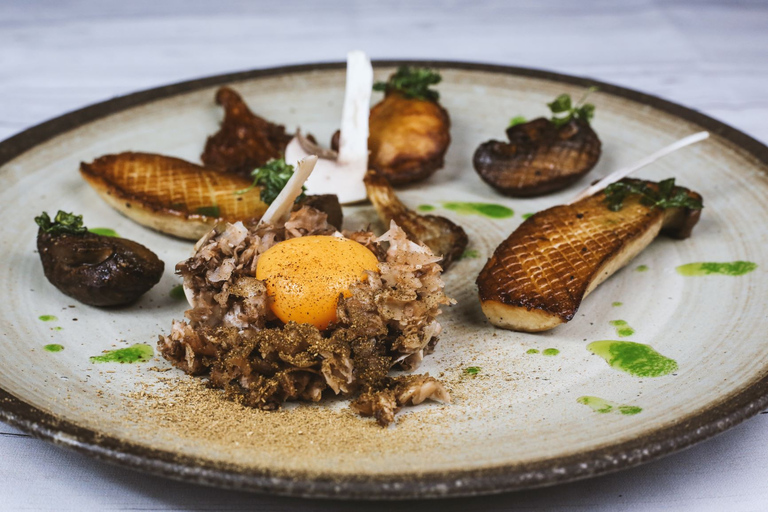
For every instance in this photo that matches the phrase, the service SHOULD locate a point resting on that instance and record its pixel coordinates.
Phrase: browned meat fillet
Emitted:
(538, 276)
(171, 195)
(245, 140)
(443, 237)
(539, 158)
(408, 138)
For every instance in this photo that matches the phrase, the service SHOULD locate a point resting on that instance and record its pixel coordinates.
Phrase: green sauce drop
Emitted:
(527, 215)
(57, 328)
(617, 304)
(177, 292)
(623, 329)
(550, 352)
(104, 232)
(603, 406)
(425, 208)
(472, 370)
(494, 211)
(47, 318)
(139, 353)
(636, 359)
(53, 347)
(470, 254)
(641, 268)
(532, 351)
(734, 268)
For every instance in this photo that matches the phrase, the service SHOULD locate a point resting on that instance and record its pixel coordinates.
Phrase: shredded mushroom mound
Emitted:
(388, 322)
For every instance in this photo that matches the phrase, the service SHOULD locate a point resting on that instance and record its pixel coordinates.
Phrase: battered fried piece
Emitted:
(171, 195)
(539, 158)
(442, 236)
(538, 276)
(245, 140)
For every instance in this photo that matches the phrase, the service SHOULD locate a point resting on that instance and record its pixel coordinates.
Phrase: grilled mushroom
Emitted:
(94, 269)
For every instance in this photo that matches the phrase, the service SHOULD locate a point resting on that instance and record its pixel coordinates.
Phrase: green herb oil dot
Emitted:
(617, 304)
(623, 330)
(532, 351)
(53, 347)
(636, 359)
(493, 211)
(603, 406)
(641, 268)
(734, 268)
(177, 292)
(47, 318)
(469, 254)
(139, 353)
(550, 352)
(527, 216)
(425, 208)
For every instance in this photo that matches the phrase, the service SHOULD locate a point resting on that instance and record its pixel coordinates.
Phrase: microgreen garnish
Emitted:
(472, 370)
(412, 83)
(516, 121)
(667, 195)
(64, 222)
(580, 110)
(208, 211)
(272, 178)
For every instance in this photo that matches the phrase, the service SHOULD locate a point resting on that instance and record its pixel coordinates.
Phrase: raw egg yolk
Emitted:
(305, 275)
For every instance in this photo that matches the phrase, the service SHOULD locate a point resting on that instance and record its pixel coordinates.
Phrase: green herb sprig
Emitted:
(272, 178)
(564, 110)
(412, 83)
(472, 370)
(63, 223)
(667, 195)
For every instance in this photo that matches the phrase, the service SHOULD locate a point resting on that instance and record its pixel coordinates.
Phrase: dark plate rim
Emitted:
(701, 425)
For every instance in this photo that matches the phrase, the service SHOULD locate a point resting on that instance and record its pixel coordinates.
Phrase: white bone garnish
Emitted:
(344, 175)
(626, 171)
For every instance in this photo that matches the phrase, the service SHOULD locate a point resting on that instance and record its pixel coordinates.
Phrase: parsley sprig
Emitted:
(412, 83)
(564, 110)
(666, 195)
(63, 223)
(272, 178)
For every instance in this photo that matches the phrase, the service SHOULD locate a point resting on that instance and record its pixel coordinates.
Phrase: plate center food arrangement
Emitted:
(664, 342)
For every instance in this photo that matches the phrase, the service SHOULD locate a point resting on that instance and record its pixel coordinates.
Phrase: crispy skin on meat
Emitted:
(408, 138)
(538, 276)
(443, 237)
(539, 157)
(245, 140)
(169, 194)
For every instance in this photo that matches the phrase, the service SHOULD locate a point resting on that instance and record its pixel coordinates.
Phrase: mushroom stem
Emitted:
(283, 203)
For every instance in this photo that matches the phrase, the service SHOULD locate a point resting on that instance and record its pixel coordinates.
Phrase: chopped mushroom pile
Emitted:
(388, 322)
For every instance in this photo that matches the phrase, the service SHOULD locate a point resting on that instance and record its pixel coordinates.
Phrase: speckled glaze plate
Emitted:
(518, 420)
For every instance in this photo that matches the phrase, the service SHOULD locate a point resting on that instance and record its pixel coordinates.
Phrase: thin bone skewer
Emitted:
(626, 171)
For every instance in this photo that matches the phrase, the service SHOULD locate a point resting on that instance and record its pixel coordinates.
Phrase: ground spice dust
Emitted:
(199, 421)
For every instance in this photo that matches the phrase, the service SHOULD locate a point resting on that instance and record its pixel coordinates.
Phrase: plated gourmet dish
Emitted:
(309, 308)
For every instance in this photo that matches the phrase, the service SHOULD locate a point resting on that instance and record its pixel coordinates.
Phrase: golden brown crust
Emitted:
(408, 138)
(245, 141)
(539, 158)
(168, 194)
(537, 278)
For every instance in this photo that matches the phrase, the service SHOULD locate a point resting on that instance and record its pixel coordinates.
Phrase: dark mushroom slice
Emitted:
(539, 158)
(443, 237)
(326, 203)
(94, 269)
(245, 140)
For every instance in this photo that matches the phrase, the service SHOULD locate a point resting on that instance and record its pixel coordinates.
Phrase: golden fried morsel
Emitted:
(537, 278)
(408, 138)
(539, 158)
(245, 140)
(171, 195)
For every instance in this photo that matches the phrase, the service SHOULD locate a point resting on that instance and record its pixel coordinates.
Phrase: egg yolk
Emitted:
(304, 276)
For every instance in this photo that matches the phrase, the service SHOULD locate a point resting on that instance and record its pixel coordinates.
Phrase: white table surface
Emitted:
(60, 55)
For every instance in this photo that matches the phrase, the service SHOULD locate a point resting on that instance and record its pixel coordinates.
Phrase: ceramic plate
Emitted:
(537, 409)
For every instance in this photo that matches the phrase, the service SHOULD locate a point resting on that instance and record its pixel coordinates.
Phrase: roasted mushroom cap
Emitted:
(245, 140)
(408, 138)
(98, 270)
(443, 237)
(539, 158)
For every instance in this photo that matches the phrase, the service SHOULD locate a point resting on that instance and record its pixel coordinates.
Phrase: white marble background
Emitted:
(60, 55)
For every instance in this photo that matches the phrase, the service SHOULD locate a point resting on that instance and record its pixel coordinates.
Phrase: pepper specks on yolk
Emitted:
(304, 276)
